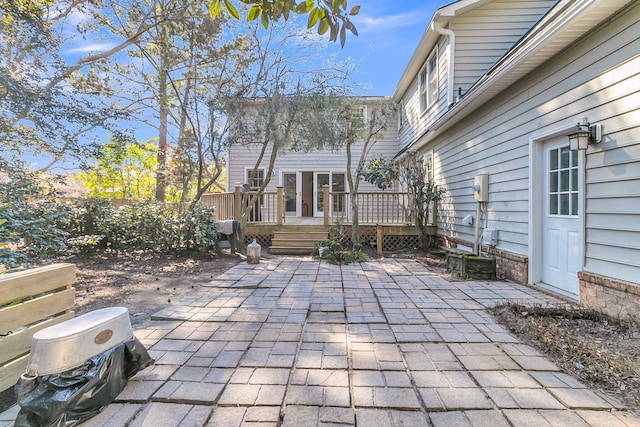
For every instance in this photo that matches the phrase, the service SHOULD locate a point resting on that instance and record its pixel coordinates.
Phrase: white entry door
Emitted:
(561, 257)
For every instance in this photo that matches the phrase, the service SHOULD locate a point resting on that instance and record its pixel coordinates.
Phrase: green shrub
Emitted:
(89, 216)
(144, 225)
(333, 250)
(30, 219)
(33, 226)
(197, 228)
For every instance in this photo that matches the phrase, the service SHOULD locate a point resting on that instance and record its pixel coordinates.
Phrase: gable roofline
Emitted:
(363, 98)
(441, 17)
(566, 22)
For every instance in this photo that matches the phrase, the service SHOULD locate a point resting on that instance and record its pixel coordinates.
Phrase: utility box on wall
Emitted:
(490, 237)
(481, 187)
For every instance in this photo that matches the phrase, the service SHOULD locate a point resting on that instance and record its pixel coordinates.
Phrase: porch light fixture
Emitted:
(584, 135)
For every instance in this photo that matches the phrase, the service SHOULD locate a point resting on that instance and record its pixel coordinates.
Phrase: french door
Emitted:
(290, 184)
(336, 183)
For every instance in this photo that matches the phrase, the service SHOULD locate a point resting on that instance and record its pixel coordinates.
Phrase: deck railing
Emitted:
(223, 203)
(387, 207)
(265, 209)
(373, 207)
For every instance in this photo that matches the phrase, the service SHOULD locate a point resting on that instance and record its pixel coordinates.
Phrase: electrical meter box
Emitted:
(490, 237)
(481, 187)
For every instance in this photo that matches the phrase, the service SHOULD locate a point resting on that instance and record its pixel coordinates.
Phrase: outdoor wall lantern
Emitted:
(584, 135)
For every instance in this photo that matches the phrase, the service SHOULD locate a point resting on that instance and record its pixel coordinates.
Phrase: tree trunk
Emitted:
(353, 192)
(161, 172)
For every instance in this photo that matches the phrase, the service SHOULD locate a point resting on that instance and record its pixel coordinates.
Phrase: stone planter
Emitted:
(467, 266)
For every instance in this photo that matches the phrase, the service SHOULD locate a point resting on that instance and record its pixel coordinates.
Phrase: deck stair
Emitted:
(298, 240)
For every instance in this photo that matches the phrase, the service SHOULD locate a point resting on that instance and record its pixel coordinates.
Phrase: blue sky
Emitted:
(389, 32)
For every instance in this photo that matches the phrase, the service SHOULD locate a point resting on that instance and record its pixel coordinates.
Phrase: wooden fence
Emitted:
(31, 300)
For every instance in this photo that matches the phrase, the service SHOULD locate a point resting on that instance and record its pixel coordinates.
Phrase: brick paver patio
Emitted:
(298, 342)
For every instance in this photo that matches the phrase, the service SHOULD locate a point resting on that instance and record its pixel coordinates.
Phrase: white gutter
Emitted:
(452, 55)
(442, 15)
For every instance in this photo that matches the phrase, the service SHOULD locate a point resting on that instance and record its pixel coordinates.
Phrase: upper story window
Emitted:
(401, 116)
(355, 117)
(429, 81)
(359, 115)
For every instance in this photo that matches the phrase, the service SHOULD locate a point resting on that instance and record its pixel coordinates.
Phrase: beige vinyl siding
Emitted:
(598, 78)
(485, 34)
(417, 122)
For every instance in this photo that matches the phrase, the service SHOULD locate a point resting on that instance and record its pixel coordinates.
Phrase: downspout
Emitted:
(452, 48)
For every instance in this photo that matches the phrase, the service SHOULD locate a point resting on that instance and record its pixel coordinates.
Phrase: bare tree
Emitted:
(364, 126)
(51, 106)
(284, 103)
(178, 71)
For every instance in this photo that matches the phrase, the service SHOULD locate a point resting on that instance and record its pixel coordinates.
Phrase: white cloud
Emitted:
(366, 23)
(94, 47)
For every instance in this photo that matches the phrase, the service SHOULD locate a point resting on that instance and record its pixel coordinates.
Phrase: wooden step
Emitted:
(305, 228)
(298, 242)
(294, 235)
(290, 250)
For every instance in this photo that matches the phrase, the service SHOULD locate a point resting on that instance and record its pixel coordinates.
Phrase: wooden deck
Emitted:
(303, 220)
(268, 208)
(384, 219)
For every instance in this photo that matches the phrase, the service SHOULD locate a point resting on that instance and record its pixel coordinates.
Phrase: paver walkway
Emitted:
(298, 342)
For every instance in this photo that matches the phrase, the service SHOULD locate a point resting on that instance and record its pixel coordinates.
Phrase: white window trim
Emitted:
(402, 119)
(247, 175)
(424, 84)
(356, 108)
(427, 158)
(363, 108)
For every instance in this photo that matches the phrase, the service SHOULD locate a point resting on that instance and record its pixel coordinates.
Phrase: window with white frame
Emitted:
(429, 81)
(427, 159)
(256, 180)
(356, 117)
(359, 117)
(401, 117)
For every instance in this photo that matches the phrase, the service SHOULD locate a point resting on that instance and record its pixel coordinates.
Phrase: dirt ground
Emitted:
(599, 350)
(602, 352)
(143, 282)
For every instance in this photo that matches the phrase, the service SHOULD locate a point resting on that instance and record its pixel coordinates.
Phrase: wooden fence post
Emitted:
(279, 204)
(379, 238)
(237, 202)
(326, 202)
